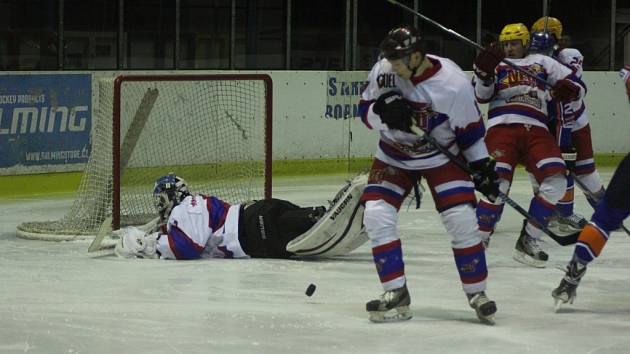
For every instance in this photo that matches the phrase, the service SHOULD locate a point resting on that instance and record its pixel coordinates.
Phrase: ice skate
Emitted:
(484, 307)
(567, 225)
(392, 306)
(528, 251)
(566, 291)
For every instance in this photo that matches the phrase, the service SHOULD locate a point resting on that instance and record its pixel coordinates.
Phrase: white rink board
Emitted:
(303, 131)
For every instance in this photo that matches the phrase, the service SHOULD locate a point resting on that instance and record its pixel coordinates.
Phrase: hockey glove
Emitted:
(565, 91)
(569, 155)
(394, 111)
(135, 243)
(487, 61)
(485, 178)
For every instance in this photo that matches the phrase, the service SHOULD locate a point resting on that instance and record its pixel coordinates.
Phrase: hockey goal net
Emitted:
(212, 130)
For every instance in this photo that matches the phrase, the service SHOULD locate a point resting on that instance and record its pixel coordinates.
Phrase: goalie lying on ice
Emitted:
(202, 226)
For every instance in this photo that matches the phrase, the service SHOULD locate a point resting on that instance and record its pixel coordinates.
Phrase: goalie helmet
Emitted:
(542, 43)
(554, 26)
(168, 192)
(400, 42)
(515, 31)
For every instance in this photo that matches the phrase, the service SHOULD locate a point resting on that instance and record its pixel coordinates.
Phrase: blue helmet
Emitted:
(542, 43)
(168, 192)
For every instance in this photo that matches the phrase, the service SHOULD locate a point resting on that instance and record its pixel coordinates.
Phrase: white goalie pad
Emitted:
(340, 230)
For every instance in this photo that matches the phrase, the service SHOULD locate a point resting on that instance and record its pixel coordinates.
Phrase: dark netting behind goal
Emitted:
(212, 130)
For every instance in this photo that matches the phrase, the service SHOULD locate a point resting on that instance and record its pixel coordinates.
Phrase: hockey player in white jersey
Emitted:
(202, 226)
(518, 133)
(577, 146)
(410, 88)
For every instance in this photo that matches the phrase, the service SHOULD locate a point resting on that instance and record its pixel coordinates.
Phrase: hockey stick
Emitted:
(468, 41)
(593, 197)
(561, 240)
(104, 230)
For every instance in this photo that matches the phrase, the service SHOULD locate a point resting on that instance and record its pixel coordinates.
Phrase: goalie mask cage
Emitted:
(212, 130)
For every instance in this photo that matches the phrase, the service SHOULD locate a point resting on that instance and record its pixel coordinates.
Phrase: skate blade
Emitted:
(561, 300)
(528, 260)
(401, 313)
(557, 305)
(488, 320)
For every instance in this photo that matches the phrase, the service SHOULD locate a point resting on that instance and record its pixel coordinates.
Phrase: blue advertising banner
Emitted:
(45, 119)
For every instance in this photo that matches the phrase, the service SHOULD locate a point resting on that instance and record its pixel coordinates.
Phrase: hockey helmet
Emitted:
(515, 31)
(168, 192)
(554, 26)
(400, 42)
(542, 43)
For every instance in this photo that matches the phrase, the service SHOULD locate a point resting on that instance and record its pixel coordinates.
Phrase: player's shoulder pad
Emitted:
(449, 85)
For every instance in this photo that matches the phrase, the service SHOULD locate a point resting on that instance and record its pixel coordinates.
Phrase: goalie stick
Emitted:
(106, 230)
(469, 42)
(561, 240)
(126, 148)
(592, 196)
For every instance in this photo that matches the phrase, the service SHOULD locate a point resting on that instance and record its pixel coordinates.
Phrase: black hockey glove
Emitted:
(485, 178)
(394, 111)
(569, 155)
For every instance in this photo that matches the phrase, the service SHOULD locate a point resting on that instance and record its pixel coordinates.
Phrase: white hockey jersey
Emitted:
(445, 107)
(573, 59)
(202, 227)
(515, 97)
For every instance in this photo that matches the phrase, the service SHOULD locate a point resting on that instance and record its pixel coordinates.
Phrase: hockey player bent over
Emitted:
(579, 143)
(408, 88)
(202, 226)
(517, 130)
(609, 214)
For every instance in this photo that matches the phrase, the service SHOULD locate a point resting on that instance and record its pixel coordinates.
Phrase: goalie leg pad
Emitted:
(340, 230)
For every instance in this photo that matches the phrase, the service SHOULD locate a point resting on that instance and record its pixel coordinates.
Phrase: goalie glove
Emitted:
(135, 243)
(485, 178)
(569, 155)
(394, 111)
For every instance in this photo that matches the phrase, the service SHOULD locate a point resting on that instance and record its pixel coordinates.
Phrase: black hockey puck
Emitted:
(310, 290)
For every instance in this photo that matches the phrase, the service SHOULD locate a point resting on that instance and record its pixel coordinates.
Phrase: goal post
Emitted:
(215, 131)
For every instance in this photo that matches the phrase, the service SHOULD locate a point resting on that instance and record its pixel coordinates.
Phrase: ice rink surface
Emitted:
(57, 298)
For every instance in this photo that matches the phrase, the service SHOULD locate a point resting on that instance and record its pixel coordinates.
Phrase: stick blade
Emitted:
(104, 230)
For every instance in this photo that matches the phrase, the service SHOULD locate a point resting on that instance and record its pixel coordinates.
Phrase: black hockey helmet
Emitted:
(400, 42)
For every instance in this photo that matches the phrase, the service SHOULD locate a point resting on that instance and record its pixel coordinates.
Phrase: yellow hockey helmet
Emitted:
(554, 26)
(515, 31)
